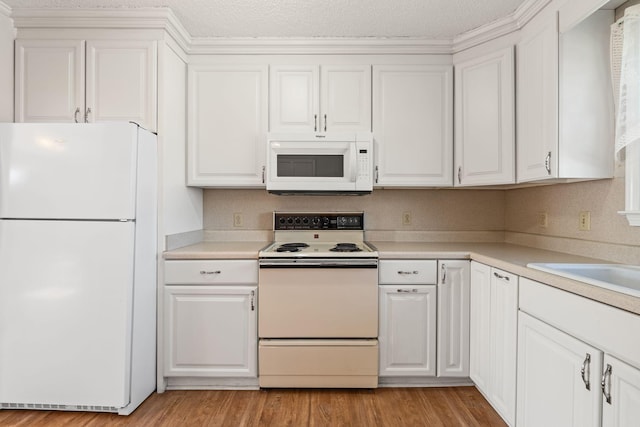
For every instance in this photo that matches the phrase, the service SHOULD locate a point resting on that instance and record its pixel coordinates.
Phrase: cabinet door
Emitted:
(479, 360)
(345, 98)
(293, 98)
(453, 319)
(407, 331)
(622, 384)
(413, 125)
(551, 388)
(227, 125)
(210, 331)
(485, 119)
(49, 84)
(121, 81)
(537, 98)
(503, 320)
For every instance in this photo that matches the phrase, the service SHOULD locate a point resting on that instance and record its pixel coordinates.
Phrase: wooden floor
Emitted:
(455, 406)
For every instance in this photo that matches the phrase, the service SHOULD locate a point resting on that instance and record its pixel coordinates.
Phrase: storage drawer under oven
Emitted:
(318, 303)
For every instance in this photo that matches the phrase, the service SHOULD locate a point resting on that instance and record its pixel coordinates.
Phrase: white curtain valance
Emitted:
(627, 87)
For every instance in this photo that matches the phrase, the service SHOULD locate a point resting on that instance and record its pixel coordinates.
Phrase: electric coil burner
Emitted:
(318, 299)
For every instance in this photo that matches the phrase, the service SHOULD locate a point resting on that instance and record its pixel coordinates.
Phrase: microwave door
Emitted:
(353, 157)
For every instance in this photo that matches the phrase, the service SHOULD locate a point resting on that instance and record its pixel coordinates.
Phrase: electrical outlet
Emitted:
(406, 218)
(584, 219)
(237, 219)
(543, 219)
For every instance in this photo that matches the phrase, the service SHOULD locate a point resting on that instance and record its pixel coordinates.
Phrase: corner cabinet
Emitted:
(210, 319)
(413, 125)
(485, 117)
(494, 315)
(227, 125)
(86, 81)
(325, 98)
(564, 98)
(578, 360)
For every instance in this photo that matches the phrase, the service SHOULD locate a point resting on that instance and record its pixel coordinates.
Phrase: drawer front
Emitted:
(408, 272)
(207, 272)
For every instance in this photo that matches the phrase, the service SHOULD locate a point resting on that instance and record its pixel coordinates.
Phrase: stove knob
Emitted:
(325, 221)
(315, 221)
(281, 221)
(305, 221)
(297, 221)
(290, 221)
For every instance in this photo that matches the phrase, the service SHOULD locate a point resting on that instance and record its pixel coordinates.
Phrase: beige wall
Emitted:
(431, 210)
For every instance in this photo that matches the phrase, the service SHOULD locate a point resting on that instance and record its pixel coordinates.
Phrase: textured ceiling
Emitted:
(431, 19)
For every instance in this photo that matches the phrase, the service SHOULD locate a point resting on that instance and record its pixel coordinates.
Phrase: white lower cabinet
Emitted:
(424, 318)
(210, 319)
(453, 318)
(493, 337)
(407, 332)
(558, 377)
(578, 360)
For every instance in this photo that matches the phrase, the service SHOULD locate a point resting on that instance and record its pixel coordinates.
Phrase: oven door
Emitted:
(318, 298)
(319, 166)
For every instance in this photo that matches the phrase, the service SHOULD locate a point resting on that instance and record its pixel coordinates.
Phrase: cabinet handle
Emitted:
(315, 123)
(263, 172)
(253, 306)
(376, 174)
(75, 114)
(500, 276)
(606, 378)
(407, 291)
(205, 272)
(325, 122)
(403, 273)
(459, 174)
(443, 269)
(86, 115)
(547, 163)
(586, 369)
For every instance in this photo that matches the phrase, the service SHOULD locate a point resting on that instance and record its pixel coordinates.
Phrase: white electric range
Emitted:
(318, 303)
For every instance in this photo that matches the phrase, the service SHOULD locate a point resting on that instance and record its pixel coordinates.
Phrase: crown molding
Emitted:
(151, 18)
(318, 46)
(501, 27)
(5, 10)
(163, 18)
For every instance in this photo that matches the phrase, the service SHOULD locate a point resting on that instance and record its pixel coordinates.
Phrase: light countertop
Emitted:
(504, 256)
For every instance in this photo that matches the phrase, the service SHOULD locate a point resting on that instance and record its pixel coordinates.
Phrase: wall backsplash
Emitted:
(431, 210)
(437, 215)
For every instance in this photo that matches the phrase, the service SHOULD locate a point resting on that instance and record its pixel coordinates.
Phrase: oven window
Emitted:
(317, 166)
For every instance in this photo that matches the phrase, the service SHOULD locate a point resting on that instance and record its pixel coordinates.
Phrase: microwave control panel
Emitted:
(364, 164)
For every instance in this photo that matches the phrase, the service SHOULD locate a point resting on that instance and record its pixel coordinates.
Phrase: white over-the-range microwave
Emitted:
(340, 163)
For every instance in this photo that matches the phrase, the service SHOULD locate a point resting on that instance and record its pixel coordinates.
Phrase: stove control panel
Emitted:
(318, 221)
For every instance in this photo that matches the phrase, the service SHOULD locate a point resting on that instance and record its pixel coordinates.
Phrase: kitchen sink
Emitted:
(617, 277)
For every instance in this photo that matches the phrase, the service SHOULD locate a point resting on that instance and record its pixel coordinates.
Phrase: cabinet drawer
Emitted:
(408, 272)
(205, 272)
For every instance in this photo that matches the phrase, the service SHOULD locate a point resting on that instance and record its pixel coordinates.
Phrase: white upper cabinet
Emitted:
(485, 117)
(49, 84)
(227, 125)
(413, 125)
(564, 99)
(117, 81)
(121, 81)
(326, 98)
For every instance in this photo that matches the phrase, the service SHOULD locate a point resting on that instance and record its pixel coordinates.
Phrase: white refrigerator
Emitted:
(78, 254)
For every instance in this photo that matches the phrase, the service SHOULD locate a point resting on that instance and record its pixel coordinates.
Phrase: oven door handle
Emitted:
(319, 263)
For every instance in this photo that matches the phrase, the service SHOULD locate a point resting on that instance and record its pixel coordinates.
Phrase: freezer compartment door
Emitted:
(79, 171)
(65, 312)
